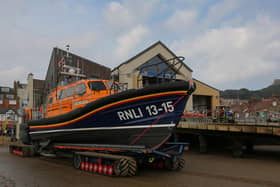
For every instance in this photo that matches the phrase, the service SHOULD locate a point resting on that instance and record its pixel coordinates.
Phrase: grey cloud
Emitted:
(231, 54)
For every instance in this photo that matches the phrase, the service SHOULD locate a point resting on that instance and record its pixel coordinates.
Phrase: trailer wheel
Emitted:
(125, 167)
(174, 164)
(36, 146)
(181, 163)
(132, 168)
(77, 161)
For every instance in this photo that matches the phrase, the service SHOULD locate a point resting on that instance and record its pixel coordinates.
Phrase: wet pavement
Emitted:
(214, 169)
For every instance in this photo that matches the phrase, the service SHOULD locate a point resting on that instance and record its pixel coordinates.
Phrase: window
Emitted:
(109, 84)
(157, 67)
(58, 94)
(1, 96)
(70, 91)
(62, 94)
(12, 102)
(81, 89)
(96, 85)
(1, 102)
(10, 96)
(24, 102)
(5, 90)
(10, 115)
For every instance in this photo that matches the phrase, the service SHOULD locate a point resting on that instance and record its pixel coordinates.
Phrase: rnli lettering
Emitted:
(150, 110)
(130, 114)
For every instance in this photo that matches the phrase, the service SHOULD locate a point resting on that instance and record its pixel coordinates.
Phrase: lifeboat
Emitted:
(95, 112)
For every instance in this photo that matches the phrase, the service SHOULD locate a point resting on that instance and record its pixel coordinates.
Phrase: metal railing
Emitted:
(251, 120)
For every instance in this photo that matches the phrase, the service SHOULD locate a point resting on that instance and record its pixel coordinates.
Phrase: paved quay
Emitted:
(214, 169)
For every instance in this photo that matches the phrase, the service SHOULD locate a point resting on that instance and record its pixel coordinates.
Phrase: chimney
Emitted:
(30, 76)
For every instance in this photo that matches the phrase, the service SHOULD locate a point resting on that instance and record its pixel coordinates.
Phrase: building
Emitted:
(9, 105)
(8, 98)
(87, 67)
(21, 91)
(230, 102)
(153, 66)
(36, 91)
(205, 97)
(30, 94)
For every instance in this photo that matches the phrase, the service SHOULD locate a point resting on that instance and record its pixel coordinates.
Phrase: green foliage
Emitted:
(243, 93)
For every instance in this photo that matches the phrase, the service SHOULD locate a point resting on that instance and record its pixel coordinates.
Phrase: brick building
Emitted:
(8, 98)
(9, 105)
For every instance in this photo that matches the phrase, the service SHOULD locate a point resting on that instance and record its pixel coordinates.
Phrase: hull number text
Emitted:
(151, 110)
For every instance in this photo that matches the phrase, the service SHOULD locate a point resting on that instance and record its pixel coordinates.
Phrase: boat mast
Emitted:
(69, 72)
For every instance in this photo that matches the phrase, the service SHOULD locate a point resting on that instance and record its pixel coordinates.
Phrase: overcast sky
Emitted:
(228, 44)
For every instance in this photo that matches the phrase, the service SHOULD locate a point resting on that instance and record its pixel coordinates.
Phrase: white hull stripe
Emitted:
(106, 128)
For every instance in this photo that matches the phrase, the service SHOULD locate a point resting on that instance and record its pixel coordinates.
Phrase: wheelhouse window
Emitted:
(80, 89)
(62, 94)
(96, 85)
(68, 92)
(109, 84)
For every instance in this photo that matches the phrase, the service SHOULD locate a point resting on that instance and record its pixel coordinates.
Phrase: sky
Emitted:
(229, 44)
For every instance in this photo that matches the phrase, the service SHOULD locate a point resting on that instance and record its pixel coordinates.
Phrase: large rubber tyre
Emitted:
(132, 168)
(36, 147)
(77, 161)
(174, 164)
(181, 163)
(125, 167)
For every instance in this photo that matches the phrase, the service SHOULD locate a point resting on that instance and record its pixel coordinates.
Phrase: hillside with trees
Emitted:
(243, 93)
